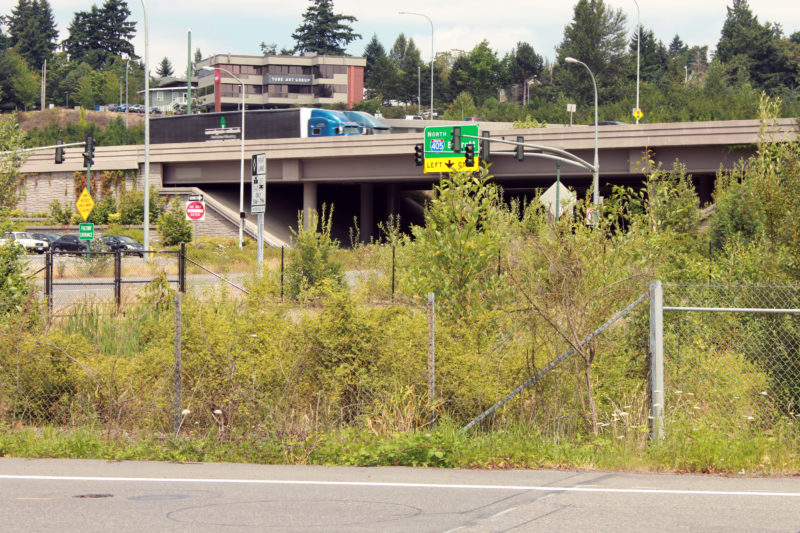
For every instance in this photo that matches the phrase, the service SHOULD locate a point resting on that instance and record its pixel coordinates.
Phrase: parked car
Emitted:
(610, 123)
(72, 243)
(22, 238)
(50, 238)
(127, 245)
(473, 119)
(414, 117)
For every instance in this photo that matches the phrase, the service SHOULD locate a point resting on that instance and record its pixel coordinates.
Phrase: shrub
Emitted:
(310, 263)
(173, 226)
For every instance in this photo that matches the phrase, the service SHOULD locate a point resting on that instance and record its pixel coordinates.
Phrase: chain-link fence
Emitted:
(731, 357)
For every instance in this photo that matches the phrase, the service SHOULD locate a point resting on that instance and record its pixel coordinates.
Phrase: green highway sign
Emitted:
(439, 153)
(86, 231)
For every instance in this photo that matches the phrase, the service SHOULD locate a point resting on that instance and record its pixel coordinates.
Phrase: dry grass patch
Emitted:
(62, 117)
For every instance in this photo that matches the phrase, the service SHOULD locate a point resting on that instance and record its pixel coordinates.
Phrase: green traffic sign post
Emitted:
(442, 156)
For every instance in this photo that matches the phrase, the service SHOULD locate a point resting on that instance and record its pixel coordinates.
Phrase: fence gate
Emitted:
(724, 357)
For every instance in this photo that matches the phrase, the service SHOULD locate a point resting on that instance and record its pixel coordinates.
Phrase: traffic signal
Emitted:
(520, 148)
(469, 155)
(419, 154)
(59, 152)
(484, 151)
(88, 152)
(457, 139)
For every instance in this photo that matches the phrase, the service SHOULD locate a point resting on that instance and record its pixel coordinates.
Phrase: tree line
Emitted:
(89, 67)
(679, 81)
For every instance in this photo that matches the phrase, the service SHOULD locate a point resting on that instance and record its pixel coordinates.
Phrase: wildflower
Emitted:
(185, 412)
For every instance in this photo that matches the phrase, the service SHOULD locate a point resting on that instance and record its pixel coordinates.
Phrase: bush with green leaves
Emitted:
(311, 265)
(103, 210)
(131, 206)
(455, 254)
(59, 214)
(173, 226)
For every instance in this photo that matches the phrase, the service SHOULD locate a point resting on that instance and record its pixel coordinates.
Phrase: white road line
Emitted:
(405, 485)
(501, 513)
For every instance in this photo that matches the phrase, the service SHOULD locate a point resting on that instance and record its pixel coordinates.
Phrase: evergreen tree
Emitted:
(198, 56)
(523, 64)
(164, 68)
(98, 36)
(748, 45)
(323, 31)
(372, 52)
(653, 58)
(380, 74)
(409, 73)
(677, 47)
(32, 31)
(596, 36)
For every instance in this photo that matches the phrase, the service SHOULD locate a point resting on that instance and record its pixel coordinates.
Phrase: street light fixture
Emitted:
(432, 52)
(595, 177)
(241, 167)
(638, 44)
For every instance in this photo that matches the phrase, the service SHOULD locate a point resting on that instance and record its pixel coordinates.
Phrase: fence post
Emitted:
(48, 281)
(282, 250)
(176, 375)
(182, 268)
(118, 278)
(431, 356)
(393, 267)
(656, 360)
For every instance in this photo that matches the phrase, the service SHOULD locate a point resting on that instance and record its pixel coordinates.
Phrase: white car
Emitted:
(26, 241)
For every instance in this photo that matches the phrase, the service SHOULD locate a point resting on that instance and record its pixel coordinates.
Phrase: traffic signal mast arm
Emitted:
(40, 148)
(547, 152)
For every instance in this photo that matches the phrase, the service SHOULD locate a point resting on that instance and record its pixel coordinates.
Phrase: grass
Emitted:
(518, 447)
(64, 116)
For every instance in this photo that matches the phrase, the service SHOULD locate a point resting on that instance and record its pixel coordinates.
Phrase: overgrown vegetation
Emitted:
(337, 372)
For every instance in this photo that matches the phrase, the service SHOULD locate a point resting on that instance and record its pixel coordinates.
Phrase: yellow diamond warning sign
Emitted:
(85, 203)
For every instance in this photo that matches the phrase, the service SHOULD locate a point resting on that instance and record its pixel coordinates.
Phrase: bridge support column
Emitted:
(309, 202)
(367, 215)
(391, 199)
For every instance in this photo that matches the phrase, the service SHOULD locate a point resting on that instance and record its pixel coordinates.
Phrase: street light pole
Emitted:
(127, 63)
(638, 44)
(433, 55)
(241, 165)
(146, 237)
(596, 172)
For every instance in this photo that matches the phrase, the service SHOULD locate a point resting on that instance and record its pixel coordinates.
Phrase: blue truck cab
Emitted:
(328, 123)
(369, 124)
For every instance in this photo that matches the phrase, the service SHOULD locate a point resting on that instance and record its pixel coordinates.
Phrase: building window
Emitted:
(229, 90)
(323, 91)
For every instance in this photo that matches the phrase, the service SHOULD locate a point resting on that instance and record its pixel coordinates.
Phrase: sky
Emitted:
(239, 26)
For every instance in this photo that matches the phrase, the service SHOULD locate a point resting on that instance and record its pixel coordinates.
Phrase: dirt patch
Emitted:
(64, 116)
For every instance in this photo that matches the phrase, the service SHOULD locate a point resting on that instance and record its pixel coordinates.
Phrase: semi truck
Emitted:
(259, 124)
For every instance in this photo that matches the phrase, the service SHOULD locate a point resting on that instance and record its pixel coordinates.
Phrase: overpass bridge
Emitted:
(370, 177)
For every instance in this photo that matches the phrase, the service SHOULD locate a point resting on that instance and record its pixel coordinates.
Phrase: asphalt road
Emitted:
(85, 496)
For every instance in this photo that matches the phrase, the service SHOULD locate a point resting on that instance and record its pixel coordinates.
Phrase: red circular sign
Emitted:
(195, 210)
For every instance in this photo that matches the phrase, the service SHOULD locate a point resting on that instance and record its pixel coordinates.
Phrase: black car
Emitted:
(127, 245)
(50, 238)
(72, 243)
